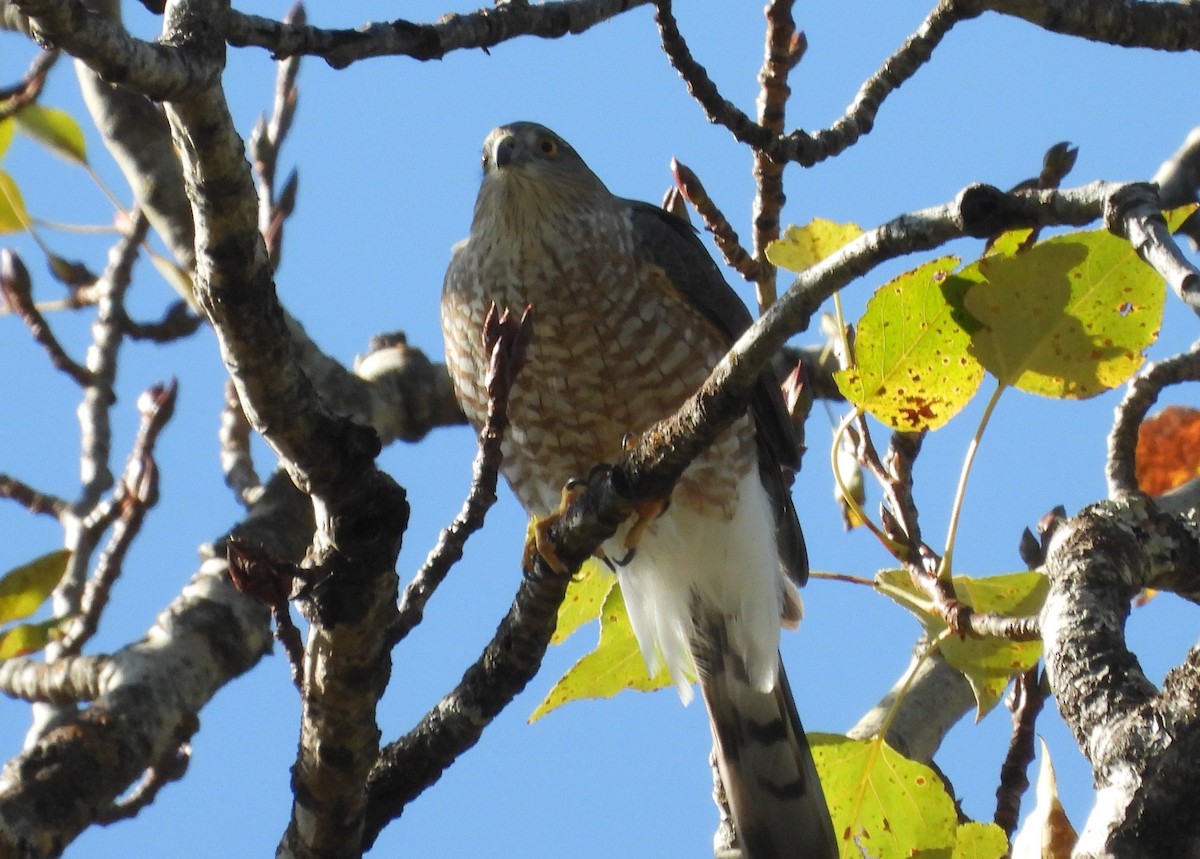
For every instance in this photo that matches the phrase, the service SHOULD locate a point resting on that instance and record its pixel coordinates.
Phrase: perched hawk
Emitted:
(631, 314)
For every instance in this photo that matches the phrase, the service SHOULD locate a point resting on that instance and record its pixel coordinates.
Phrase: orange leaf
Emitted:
(1168, 450)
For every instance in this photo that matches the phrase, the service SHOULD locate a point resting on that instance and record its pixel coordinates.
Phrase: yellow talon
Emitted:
(538, 542)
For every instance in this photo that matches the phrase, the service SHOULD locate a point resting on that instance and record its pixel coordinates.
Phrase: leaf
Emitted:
(1168, 450)
(980, 841)
(26, 638)
(25, 588)
(1046, 833)
(883, 805)
(614, 665)
(178, 279)
(1068, 317)
(912, 369)
(802, 247)
(7, 127)
(55, 129)
(584, 600)
(13, 217)
(987, 663)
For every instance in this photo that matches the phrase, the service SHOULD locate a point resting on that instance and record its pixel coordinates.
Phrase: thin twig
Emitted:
(784, 48)
(506, 341)
(859, 117)
(255, 572)
(17, 290)
(715, 222)
(1029, 692)
(136, 494)
(171, 767)
(38, 503)
(1140, 397)
(265, 142)
(29, 88)
(237, 463)
(178, 322)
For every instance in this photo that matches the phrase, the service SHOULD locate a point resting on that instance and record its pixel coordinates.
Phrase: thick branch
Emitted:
(481, 29)
(159, 71)
(1142, 745)
(1128, 23)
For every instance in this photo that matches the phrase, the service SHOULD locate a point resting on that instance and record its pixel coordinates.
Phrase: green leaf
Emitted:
(802, 247)
(980, 841)
(28, 638)
(24, 589)
(584, 600)
(13, 217)
(7, 127)
(912, 368)
(55, 129)
(614, 665)
(883, 805)
(1068, 317)
(987, 663)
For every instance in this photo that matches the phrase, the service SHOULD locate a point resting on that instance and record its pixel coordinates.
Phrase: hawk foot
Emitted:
(645, 512)
(538, 542)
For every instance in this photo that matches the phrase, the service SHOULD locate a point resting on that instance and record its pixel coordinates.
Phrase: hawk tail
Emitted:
(770, 780)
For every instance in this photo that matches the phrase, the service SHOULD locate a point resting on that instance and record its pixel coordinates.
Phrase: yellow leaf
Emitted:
(25, 588)
(1046, 833)
(55, 129)
(987, 663)
(27, 638)
(584, 600)
(13, 217)
(1068, 317)
(802, 247)
(980, 841)
(178, 279)
(614, 665)
(912, 368)
(7, 125)
(883, 805)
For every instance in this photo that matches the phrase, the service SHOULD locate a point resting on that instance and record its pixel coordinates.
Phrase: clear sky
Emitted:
(388, 157)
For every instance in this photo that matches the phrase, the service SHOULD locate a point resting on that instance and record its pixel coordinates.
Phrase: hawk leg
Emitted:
(538, 542)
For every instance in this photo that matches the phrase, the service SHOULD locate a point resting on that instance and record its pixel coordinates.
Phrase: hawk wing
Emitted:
(672, 244)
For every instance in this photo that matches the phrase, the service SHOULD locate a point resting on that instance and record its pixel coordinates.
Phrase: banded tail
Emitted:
(778, 807)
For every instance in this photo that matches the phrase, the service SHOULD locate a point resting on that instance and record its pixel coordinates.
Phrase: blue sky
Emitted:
(388, 157)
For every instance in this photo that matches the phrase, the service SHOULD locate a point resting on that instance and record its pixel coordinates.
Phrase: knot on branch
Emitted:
(985, 211)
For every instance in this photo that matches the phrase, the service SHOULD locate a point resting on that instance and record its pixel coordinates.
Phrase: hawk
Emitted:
(632, 314)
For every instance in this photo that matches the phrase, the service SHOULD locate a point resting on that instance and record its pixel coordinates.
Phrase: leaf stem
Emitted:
(946, 566)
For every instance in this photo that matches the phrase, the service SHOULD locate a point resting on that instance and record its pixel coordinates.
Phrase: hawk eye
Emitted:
(548, 145)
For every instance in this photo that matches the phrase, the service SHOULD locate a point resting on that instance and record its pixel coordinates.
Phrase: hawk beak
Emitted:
(504, 151)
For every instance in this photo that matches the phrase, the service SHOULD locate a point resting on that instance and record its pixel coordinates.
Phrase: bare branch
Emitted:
(1128, 23)
(1026, 698)
(73, 680)
(409, 765)
(154, 69)
(236, 462)
(484, 28)
(859, 117)
(506, 341)
(1142, 394)
(172, 767)
(784, 49)
(136, 494)
(31, 499)
(1142, 745)
(17, 291)
(1178, 179)
(736, 256)
(29, 88)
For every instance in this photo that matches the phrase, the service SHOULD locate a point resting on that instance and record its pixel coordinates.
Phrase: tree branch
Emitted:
(1142, 744)
(481, 29)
